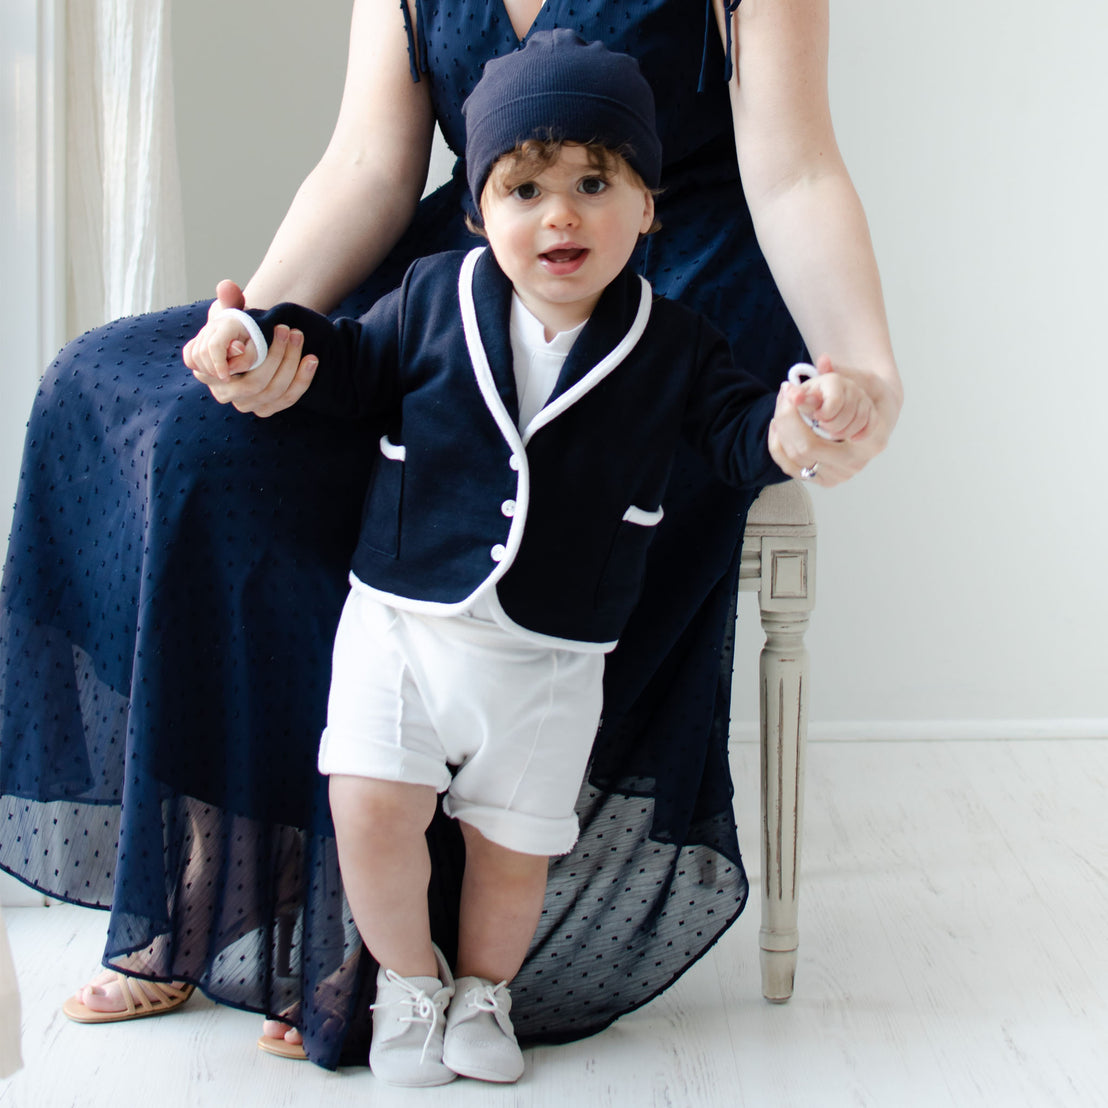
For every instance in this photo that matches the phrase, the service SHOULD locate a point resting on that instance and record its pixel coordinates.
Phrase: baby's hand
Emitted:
(223, 347)
(834, 406)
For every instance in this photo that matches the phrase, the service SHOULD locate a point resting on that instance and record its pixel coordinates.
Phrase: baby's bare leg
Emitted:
(379, 828)
(502, 898)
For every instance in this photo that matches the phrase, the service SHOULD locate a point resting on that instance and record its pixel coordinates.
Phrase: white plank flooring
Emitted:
(954, 951)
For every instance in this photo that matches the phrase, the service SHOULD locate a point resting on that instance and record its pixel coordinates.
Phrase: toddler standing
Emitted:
(528, 397)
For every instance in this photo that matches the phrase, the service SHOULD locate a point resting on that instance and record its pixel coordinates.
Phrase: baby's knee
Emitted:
(374, 808)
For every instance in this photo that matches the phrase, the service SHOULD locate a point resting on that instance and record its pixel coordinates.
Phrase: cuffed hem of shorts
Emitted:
(528, 834)
(353, 756)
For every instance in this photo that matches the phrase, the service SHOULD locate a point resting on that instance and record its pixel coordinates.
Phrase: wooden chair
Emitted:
(778, 561)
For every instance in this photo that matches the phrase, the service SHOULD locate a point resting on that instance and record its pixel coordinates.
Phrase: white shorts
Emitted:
(413, 695)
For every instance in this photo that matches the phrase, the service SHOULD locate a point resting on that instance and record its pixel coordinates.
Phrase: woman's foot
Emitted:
(111, 997)
(282, 1039)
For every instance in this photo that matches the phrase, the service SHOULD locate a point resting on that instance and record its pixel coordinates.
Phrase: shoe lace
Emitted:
(422, 1008)
(486, 998)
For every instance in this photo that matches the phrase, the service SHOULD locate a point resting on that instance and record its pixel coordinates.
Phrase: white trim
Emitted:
(602, 368)
(394, 451)
(485, 382)
(437, 608)
(554, 642)
(487, 593)
(939, 730)
(250, 324)
(643, 517)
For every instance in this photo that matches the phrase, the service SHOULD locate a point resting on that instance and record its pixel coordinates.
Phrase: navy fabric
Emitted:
(570, 565)
(174, 578)
(560, 87)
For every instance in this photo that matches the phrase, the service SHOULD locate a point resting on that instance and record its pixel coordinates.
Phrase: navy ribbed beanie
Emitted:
(557, 84)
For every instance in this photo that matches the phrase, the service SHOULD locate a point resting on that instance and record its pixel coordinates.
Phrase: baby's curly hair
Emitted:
(533, 155)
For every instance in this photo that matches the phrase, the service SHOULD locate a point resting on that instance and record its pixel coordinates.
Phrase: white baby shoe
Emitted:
(480, 1040)
(409, 1019)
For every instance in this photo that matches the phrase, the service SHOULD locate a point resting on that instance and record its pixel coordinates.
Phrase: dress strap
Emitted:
(417, 42)
(729, 9)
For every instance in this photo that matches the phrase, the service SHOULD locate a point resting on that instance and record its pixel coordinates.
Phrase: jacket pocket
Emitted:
(384, 501)
(643, 517)
(621, 580)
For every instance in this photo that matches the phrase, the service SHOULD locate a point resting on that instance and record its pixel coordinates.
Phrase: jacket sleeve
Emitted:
(728, 415)
(358, 370)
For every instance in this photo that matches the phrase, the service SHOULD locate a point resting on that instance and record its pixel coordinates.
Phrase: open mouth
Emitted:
(564, 258)
(565, 254)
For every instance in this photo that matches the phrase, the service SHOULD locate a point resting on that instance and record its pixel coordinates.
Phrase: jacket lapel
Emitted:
(613, 329)
(609, 323)
(612, 332)
(492, 300)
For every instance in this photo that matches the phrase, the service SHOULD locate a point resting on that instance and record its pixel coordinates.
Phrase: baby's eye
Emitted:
(592, 186)
(527, 191)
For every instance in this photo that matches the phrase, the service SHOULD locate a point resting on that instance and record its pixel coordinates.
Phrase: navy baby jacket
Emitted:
(550, 524)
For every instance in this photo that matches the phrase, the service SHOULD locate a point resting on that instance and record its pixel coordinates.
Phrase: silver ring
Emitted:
(809, 472)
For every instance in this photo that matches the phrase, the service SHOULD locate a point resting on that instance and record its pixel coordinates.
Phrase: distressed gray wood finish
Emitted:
(778, 561)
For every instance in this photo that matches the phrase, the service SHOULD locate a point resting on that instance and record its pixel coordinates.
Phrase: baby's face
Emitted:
(565, 233)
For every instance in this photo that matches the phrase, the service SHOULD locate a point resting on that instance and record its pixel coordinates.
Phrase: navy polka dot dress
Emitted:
(176, 572)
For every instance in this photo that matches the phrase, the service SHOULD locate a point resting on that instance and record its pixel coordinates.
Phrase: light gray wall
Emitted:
(961, 578)
(258, 86)
(964, 578)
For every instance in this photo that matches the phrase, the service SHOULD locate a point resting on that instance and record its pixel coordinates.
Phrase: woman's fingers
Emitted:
(277, 383)
(803, 454)
(297, 386)
(287, 382)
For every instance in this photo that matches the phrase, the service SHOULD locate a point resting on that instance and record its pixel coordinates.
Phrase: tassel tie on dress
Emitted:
(729, 9)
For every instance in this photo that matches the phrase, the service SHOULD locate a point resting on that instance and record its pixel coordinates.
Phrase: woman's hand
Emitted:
(859, 409)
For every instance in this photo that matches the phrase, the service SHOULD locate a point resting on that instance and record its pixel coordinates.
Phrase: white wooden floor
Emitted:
(954, 921)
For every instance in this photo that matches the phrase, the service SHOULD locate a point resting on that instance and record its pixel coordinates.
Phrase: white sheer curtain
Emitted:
(124, 225)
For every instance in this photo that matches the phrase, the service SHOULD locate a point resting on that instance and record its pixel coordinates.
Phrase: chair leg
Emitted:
(784, 721)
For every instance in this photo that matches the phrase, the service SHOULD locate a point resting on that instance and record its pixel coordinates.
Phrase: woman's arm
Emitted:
(348, 213)
(807, 215)
(358, 200)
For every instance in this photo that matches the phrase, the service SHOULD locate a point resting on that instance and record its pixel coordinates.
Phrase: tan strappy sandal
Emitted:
(142, 997)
